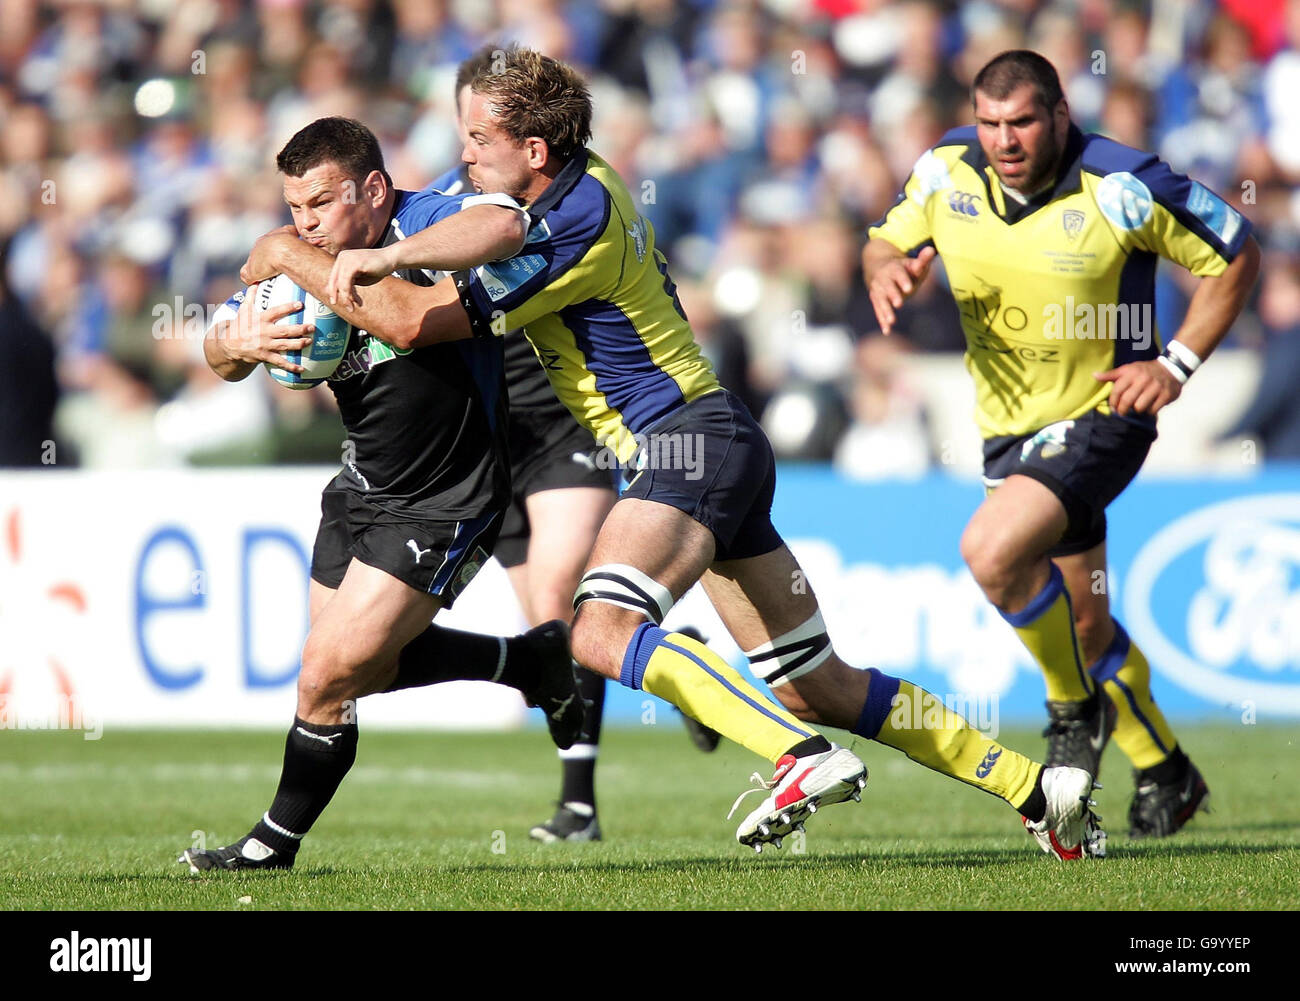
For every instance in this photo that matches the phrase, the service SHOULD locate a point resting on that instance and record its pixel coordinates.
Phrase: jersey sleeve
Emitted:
(557, 267)
(228, 310)
(907, 223)
(1170, 214)
(421, 209)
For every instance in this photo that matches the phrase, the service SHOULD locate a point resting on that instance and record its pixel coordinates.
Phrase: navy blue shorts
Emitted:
(711, 460)
(1086, 463)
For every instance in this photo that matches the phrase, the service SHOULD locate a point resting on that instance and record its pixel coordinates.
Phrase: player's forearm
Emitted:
(875, 255)
(1217, 303)
(219, 359)
(471, 237)
(387, 309)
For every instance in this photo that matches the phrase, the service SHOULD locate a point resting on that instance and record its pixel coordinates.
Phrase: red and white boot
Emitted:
(798, 788)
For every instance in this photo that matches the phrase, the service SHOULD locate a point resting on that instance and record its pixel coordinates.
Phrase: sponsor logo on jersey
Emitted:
(500, 278)
(371, 351)
(982, 770)
(1124, 200)
(964, 203)
(1219, 217)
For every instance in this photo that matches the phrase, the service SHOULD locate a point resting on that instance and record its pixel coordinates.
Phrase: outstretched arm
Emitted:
(1147, 386)
(892, 277)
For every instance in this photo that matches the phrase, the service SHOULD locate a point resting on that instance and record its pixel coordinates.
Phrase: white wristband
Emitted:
(1184, 354)
(1174, 370)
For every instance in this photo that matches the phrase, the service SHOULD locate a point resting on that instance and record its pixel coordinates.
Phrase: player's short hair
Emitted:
(479, 62)
(333, 140)
(535, 95)
(1010, 70)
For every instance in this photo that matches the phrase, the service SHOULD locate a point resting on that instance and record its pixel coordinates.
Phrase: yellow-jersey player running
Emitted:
(595, 298)
(1050, 240)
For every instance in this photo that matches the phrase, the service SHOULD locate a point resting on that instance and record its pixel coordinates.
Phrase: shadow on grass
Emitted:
(918, 858)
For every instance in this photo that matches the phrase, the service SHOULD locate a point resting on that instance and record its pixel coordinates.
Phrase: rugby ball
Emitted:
(319, 358)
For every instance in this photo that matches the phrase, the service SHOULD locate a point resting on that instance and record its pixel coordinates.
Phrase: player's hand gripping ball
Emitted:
(319, 358)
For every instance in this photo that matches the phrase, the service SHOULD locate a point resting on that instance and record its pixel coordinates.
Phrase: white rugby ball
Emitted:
(319, 358)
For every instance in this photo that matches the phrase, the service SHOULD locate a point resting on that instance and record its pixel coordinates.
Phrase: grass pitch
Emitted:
(441, 821)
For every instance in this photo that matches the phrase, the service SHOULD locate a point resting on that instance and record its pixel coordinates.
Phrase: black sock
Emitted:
(1172, 769)
(579, 781)
(316, 757)
(439, 654)
(1035, 807)
(813, 745)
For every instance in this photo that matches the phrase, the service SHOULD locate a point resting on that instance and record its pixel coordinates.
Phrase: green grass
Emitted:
(98, 825)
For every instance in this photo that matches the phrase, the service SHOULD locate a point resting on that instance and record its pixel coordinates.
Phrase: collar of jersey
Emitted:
(570, 174)
(387, 235)
(1011, 211)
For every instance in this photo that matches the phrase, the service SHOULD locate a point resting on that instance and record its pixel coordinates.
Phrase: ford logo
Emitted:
(1233, 572)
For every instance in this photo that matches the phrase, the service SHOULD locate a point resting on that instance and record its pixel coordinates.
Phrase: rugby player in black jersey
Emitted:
(417, 507)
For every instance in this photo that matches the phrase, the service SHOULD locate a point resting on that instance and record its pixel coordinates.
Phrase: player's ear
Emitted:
(539, 152)
(1061, 116)
(375, 188)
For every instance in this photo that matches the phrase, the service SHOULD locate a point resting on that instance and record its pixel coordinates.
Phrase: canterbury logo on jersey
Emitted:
(372, 352)
(964, 203)
(986, 766)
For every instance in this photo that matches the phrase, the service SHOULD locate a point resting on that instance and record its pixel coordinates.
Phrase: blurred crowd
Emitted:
(762, 136)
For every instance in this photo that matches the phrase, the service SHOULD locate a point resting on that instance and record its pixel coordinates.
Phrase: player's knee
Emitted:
(975, 549)
(611, 603)
(993, 572)
(325, 676)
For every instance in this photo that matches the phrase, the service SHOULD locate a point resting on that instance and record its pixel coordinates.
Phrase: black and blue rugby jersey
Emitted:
(426, 427)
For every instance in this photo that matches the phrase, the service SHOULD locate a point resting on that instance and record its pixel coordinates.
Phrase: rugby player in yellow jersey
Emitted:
(1050, 239)
(594, 296)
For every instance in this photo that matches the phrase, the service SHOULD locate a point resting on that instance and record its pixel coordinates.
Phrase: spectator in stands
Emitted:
(1273, 417)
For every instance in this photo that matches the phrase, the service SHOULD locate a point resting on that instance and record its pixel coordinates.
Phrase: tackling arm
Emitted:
(398, 312)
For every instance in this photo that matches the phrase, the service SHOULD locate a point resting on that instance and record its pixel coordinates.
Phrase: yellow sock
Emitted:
(906, 717)
(1141, 731)
(703, 685)
(1046, 628)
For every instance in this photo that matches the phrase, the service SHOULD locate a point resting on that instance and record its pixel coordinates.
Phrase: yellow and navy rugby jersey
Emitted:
(594, 296)
(1055, 290)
